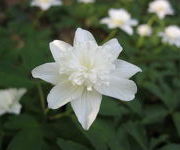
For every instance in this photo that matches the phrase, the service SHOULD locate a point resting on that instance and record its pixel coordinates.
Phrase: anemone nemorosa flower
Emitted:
(144, 30)
(171, 35)
(120, 18)
(161, 8)
(83, 72)
(9, 100)
(45, 4)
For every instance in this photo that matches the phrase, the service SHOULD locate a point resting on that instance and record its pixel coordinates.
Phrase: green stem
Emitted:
(110, 36)
(41, 96)
(58, 116)
(152, 20)
(140, 41)
(39, 15)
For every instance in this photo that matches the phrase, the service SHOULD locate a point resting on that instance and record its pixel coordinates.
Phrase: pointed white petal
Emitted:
(127, 29)
(47, 72)
(62, 94)
(105, 20)
(82, 36)
(58, 48)
(113, 47)
(119, 88)
(15, 108)
(87, 107)
(125, 69)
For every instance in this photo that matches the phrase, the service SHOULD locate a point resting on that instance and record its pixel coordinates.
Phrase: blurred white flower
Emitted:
(45, 4)
(120, 18)
(83, 72)
(9, 100)
(171, 35)
(87, 1)
(161, 8)
(144, 30)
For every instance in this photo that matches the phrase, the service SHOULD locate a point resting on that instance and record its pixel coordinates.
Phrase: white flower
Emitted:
(45, 4)
(161, 8)
(171, 35)
(144, 30)
(87, 1)
(120, 18)
(9, 100)
(83, 72)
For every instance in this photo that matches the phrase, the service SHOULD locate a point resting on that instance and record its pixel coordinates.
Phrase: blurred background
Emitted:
(150, 122)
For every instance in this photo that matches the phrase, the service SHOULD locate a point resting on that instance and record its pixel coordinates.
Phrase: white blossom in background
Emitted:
(83, 72)
(161, 8)
(144, 30)
(171, 35)
(9, 100)
(86, 1)
(45, 4)
(120, 18)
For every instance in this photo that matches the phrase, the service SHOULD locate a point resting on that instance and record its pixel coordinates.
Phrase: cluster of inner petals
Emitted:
(86, 68)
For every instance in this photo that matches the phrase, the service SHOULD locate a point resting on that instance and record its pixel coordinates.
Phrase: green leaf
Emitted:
(176, 119)
(21, 122)
(156, 141)
(14, 80)
(171, 147)
(70, 145)
(154, 114)
(112, 107)
(66, 129)
(102, 135)
(135, 106)
(138, 133)
(27, 139)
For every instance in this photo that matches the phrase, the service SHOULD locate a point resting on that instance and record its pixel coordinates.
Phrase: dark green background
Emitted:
(150, 122)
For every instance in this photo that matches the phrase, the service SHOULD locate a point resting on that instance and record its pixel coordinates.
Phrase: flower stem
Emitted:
(39, 15)
(41, 96)
(110, 36)
(58, 116)
(152, 20)
(140, 41)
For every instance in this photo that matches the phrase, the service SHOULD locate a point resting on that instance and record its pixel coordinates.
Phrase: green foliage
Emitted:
(150, 122)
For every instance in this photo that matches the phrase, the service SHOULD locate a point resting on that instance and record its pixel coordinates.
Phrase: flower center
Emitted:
(118, 21)
(44, 1)
(160, 9)
(87, 68)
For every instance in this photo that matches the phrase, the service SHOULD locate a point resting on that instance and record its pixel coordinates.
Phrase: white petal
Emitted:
(87, 107)
(62, 94)
(125, 69)
(47, 72)
(58, 48)
(15, 108)
(127, 29)
(2, 112)
(56, 3)
(45, 6)
(82, 36)
(105, 20)
(113, 47)
(133, 22)
(119, 88)
(114, 13)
